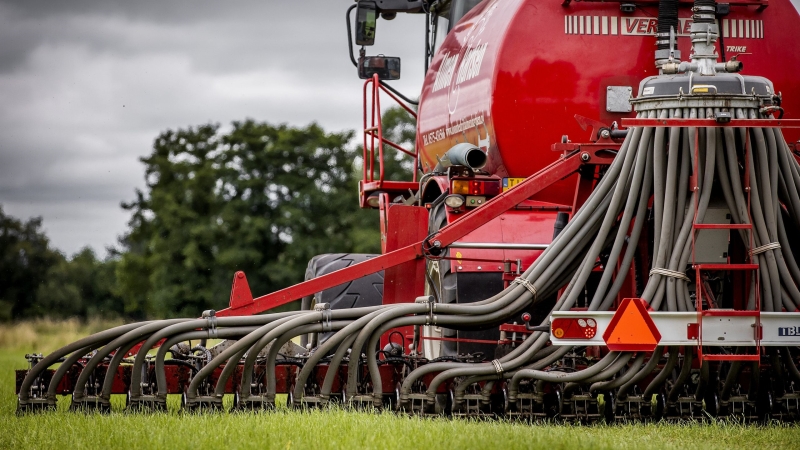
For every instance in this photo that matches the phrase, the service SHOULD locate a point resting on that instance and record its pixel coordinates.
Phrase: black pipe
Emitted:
(667, 20)
(350, 34)
(561, 221)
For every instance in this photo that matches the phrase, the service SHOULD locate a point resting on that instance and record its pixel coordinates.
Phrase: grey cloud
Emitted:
(87, 86)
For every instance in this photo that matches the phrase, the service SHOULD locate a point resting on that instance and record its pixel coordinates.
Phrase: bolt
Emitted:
(459, 267)
(239, 274)
(605, 134)
(437, 244)
(585, 157)
(479, 267)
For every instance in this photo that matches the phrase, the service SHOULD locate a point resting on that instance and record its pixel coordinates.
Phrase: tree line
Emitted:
(257, 197)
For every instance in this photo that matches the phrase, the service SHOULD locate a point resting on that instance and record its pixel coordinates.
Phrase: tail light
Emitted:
(486, 187)
(574, 328)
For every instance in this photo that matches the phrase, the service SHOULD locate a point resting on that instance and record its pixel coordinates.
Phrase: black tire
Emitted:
(442, 285)
(361, 292)
(450, 287)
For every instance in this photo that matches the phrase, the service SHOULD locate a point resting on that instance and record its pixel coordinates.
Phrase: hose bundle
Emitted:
(654, 166)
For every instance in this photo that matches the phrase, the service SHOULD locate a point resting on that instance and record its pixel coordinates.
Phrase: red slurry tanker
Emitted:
(601, 224)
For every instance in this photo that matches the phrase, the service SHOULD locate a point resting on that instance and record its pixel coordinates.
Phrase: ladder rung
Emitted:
(723, 226)
(726, 267)
(732, 357)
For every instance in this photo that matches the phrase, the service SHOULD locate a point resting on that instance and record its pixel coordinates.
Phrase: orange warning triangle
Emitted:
(632, 328)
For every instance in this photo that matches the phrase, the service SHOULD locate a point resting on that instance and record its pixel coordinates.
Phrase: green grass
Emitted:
(346, 429)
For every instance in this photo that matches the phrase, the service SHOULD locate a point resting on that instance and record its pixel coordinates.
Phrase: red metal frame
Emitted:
(469, 222)
(697, 331)
(373, 133)
(699, 287)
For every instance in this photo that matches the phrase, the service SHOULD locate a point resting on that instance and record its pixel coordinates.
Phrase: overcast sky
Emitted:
(86, 86)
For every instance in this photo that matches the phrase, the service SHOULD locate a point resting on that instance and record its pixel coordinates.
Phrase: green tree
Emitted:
(82, 286)
(37, 281)
(25, 258)
(261, 198)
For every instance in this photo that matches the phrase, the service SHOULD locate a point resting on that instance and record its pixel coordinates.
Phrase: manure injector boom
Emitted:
(602, 224)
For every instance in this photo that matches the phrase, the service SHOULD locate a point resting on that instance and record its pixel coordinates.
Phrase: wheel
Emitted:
(552, 403)
(441, 284)
(660, 407)
(764, 405)
(361, 292)
(609, 407)
(711, 403)
(236, 401)
(448, 287)
(443, 404)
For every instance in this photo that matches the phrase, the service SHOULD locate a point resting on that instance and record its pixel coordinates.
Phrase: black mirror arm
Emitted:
(397, 93)
(350, 33)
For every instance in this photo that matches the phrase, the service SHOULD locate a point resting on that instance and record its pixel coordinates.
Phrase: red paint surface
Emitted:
(535, 75)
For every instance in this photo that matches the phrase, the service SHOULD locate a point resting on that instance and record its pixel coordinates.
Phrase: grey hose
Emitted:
(92, 341)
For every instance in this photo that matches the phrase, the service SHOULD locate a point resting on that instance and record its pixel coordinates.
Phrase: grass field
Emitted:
(329, 429)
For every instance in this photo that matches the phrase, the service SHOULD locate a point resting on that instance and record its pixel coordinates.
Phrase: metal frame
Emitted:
(469, 222)
(373, 138)
(679, 328)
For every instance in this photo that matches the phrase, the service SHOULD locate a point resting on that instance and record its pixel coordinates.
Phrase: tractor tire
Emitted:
(362, 292)
(451, 287)
(441, 283)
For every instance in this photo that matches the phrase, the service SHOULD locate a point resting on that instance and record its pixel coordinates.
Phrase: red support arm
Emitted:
(471, 221)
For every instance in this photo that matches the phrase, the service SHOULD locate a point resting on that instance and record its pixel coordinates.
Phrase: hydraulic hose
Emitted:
(135, 335)
(92, 341)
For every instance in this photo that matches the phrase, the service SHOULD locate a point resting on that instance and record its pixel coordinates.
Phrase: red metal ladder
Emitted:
(748, 267)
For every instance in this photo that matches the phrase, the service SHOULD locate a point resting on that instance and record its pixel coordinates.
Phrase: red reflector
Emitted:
(632, 328)
(573, 328)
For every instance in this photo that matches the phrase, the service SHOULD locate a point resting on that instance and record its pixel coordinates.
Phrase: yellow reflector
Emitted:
(704, 89)
(460, 187)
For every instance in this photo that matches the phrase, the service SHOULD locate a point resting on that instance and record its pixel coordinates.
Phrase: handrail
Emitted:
(373, 131)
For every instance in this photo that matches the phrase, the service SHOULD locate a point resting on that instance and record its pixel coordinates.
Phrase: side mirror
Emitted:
(387, 67)
(366, 20)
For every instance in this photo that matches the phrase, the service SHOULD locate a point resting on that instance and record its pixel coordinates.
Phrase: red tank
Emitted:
(513, 74)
